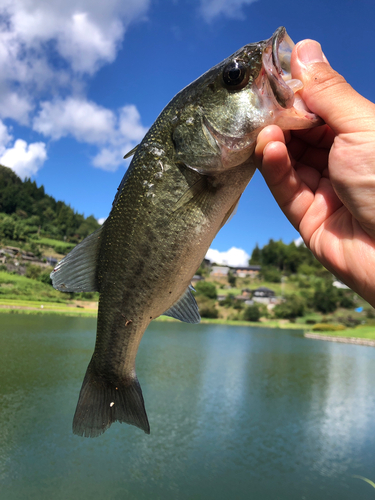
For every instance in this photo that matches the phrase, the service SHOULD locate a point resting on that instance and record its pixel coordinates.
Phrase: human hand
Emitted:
(324, 178)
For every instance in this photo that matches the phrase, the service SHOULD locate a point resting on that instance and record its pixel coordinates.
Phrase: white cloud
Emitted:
(128, 133)
(5, 136)
(210, 9)
(299, 241)
(232, 257)
(49, 46)
(114, 133)
(77, 117)
(25, 159)
(47, 50)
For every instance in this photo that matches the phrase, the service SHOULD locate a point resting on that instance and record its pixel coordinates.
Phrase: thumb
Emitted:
(327, 93)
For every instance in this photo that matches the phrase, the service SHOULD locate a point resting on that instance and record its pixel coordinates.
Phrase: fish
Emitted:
(183, 184)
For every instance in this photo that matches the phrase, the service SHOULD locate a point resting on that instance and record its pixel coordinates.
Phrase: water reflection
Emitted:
(234, 412)
(344, 409)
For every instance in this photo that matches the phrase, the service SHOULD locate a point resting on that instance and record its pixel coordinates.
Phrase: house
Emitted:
(220, 271)
(264, 295)
(263, 291)
(246, 293)
(52, 261)
(196, 278)
(245, 271)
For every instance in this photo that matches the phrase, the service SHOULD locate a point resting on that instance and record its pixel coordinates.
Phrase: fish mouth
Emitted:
(276, 63)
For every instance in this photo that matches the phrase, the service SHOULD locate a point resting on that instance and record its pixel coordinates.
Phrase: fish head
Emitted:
(218, 117)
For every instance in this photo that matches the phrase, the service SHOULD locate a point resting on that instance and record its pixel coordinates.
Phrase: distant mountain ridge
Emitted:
(25, 209)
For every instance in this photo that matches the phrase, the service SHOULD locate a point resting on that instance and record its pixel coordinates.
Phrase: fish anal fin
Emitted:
(77, 271)
(185, 309)
(103, 401)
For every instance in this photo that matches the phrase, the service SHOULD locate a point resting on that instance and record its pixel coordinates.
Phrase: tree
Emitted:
(256, 256)
(31, 211)
(325, 297)
(271, 274)
(231, 279)
(286, 258)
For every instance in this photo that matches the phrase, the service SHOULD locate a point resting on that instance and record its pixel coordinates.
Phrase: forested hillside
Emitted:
(26, 210)
(278, 258)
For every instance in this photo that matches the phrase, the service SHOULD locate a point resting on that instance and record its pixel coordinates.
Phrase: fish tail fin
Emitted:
(102, 402)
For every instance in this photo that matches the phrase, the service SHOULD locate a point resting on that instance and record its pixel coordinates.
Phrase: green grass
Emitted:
(16, 287)
(87, 313)
(51, 242)
(361, 332)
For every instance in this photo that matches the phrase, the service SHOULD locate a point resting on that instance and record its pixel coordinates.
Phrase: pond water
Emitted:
(235, 413)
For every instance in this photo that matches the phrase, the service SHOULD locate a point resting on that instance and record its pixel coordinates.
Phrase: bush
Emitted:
(349, 321)
(238, 304)
(33, 272)
(327, 327)
(228, 301)
(44, 277)
(206, 289)
(207, 307)
(347, 302)
(292, 307)
(251, 313)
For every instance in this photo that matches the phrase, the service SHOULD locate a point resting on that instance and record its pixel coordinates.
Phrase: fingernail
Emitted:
(310, 52)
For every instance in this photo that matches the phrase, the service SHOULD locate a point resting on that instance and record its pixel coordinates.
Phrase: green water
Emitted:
(235, 413)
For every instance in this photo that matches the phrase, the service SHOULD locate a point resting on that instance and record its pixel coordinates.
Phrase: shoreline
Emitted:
(90, 310)
(344, 340)
(82, 311)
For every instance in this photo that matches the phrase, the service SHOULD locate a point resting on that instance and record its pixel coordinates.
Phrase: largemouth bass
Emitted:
(184, 182)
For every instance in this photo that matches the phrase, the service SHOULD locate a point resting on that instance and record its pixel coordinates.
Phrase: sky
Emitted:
(81, 81)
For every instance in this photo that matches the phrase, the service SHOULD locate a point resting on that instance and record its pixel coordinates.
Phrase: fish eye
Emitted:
(235, 75)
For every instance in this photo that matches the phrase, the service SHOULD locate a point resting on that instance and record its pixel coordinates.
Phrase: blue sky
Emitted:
(81, 81)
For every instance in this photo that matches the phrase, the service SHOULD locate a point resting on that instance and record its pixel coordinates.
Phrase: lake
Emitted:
(235, 413)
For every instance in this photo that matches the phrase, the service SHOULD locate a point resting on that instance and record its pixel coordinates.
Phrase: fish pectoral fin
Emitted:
(131, 152)
(77, 271)
(103, 401)
(231, 212)
(185, 309)
(197, 193)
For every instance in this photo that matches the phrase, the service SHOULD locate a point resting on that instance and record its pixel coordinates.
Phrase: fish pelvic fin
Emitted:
(185, 309)
(103, 401)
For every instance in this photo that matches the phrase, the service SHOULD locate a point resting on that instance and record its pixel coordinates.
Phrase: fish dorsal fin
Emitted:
(185, 309)
(77, 271)
(131, 152)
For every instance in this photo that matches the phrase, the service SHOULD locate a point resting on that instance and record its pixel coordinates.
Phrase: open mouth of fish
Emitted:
(276, 64)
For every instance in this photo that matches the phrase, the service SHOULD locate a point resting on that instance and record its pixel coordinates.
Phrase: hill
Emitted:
(26, 211)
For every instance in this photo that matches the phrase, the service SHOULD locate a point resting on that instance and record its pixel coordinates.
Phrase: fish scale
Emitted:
(183, 184)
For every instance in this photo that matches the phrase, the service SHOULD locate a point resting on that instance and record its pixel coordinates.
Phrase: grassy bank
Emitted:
(27, 295)
(89, 309)
(75, 308)
(360, 332)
